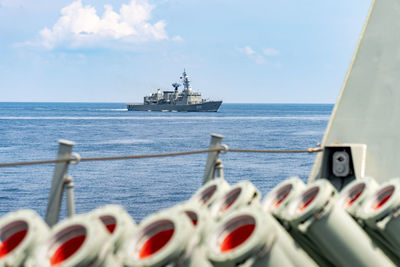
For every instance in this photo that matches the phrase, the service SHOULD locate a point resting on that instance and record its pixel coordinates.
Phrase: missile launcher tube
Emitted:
(77, 241)
(351, 199)
(245, 237)
(297, 255)
(241, 194)
(161, 239)
(118, 223)
(381, 213)
(278, 198)
(314, 212)
(210, 192)
(254, 238)
(20, 232)
(200, 218)
(354, 194)
(276, 202)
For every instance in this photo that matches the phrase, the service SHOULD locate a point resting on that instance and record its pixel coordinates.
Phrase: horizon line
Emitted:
(125, 103)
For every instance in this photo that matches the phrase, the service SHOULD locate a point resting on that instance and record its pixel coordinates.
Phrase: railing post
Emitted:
(219, 169)
(69, 186)
(57, 185)
(215, 142)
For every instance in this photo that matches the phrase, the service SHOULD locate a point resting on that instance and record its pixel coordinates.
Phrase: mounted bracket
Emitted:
(342, 163)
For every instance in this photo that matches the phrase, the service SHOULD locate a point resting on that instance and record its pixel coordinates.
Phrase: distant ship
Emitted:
(187, 100)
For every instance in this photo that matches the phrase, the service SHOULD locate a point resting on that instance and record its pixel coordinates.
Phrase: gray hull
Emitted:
(211, 106)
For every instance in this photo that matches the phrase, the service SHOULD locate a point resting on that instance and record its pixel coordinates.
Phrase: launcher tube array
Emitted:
(222, 225)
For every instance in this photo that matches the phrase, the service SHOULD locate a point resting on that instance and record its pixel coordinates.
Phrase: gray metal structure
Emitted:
(365, 120)
(186, 101)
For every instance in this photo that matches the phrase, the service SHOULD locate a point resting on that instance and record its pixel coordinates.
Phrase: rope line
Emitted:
(14, 164)
(309, 150)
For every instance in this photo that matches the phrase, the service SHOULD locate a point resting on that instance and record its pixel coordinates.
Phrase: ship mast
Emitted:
(186, 82)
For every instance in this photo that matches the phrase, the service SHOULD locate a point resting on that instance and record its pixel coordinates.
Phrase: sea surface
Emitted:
(29, 131)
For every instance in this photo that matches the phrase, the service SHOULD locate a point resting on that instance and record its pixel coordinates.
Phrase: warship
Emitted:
(186, 101)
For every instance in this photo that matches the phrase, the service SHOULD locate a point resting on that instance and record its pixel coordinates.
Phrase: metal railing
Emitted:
(62, 181)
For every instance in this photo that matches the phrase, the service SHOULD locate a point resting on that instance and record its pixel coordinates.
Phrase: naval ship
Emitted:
(187, 100)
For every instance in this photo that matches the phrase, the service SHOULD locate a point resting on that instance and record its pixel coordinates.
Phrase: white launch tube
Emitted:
(118, 223)
(381, 212)
(20, 232)
(338, 236)
(277, 201)
(161, 239)
(245, 237)
(297, 256)
(353, 195)
(278, 198)
(351, 199)
(77, 241)
(210, 192)
(200, 218)
(241, 194)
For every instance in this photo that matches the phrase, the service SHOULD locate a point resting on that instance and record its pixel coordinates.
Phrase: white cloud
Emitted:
(177, 38)
(271, 52)
(251, 53)
(258, 57)
(248, 50)
(80, 25)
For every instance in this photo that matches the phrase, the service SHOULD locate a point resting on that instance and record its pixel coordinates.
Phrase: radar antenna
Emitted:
(176, 86)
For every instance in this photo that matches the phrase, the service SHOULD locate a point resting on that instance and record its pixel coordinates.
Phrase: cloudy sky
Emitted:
(257, 51)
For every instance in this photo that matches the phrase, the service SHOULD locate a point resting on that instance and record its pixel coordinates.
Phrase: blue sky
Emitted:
(258, 51)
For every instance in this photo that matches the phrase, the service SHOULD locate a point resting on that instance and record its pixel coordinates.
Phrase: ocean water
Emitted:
(29, 131)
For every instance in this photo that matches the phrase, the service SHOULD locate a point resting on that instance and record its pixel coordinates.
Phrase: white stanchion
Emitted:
(278, 198)
(210, 192)
(353, 195)
(81, 240)
(118, 223)
(243, 193)
(336, 234)
(161, 239)
(20, 232)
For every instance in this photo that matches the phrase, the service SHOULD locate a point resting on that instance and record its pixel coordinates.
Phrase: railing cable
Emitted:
(309, 150)
(14, 164)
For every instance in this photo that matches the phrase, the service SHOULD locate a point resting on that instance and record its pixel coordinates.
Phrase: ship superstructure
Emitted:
(186, 100)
